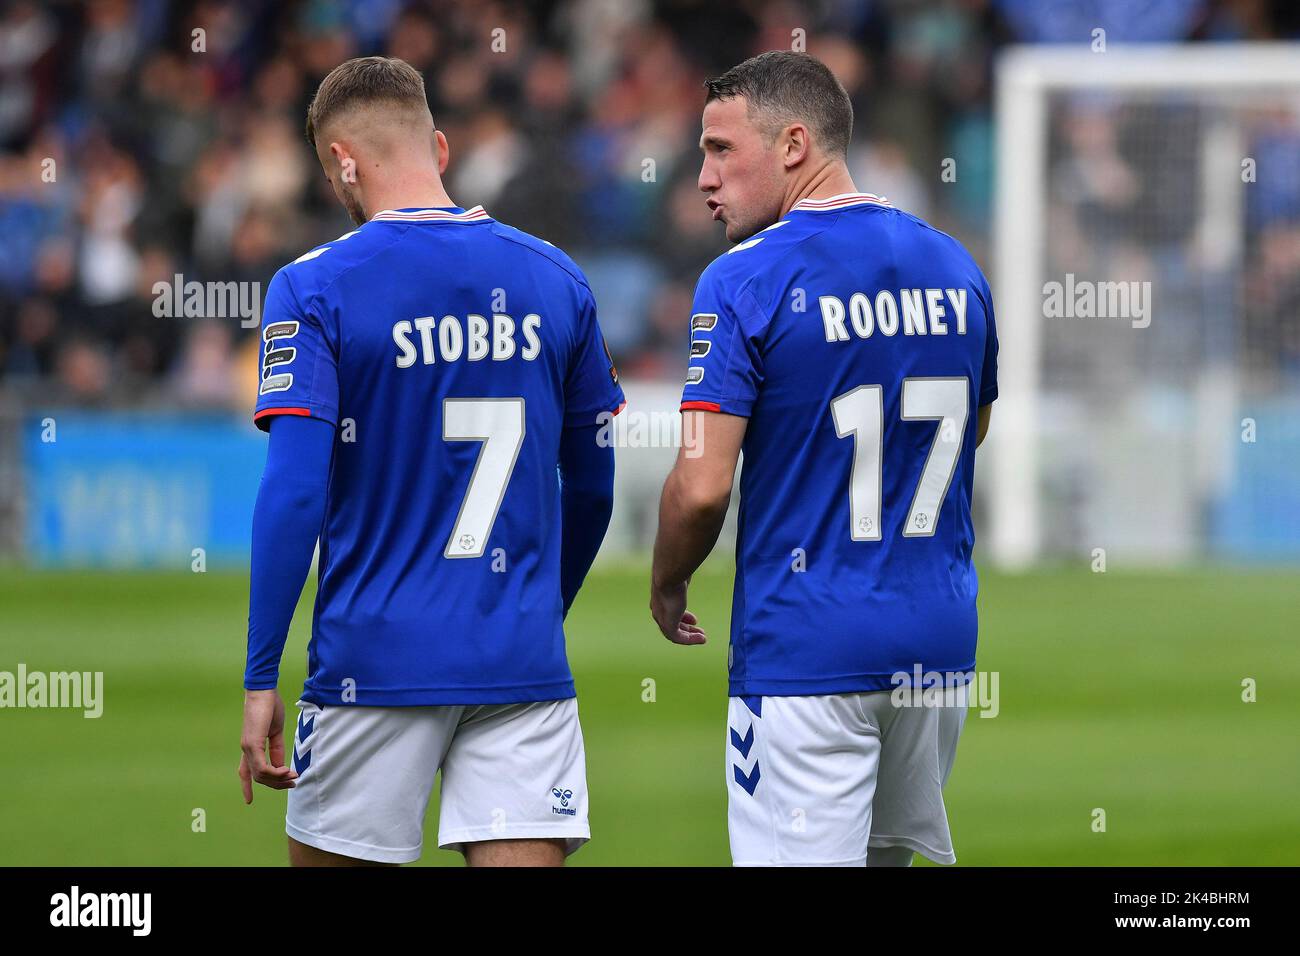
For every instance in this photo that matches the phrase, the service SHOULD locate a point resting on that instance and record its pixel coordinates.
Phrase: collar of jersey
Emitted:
(841, 201)
(437, 214)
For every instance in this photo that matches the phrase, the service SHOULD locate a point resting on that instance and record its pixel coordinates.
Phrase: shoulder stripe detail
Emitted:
(308, 256)
(747, 244)
(840, 202)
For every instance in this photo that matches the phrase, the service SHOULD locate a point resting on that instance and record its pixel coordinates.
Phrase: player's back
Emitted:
(860, 343)
(450, 350)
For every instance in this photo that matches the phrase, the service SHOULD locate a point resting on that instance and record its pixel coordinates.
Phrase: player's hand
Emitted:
(263, 727)
(668, 605)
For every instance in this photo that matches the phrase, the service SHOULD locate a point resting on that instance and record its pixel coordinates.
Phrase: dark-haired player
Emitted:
(849, 349)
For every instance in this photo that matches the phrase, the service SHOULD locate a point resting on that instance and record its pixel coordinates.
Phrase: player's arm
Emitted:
(297, 401)
(982, 423)
(586, 503)
(691, 512)
(591, 395)
(722, 378)
(286, 522)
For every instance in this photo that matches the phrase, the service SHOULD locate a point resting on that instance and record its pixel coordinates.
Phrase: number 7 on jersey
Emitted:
(499, 424)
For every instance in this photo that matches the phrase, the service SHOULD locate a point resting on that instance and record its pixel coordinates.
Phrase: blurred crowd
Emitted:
(142, 139)
(1200, 197)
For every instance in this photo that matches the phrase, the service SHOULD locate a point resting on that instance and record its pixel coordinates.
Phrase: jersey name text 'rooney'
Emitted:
(922, 312)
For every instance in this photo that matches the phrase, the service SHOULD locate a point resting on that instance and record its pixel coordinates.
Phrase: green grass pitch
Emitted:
(1118, 691)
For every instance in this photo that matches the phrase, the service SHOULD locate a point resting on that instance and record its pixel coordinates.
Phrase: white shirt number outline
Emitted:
(859, 413)
(499, 424)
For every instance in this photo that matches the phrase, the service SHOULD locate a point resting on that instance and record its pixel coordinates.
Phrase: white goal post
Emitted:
(1029, 83)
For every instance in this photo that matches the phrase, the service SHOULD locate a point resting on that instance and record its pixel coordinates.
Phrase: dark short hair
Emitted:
(781, 87)
(366, 79)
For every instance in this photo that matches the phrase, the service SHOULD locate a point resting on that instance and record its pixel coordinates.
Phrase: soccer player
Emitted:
(848, 349)
(432, 384)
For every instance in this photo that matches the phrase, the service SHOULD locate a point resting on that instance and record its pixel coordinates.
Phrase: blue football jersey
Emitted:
(859, 342)
(449, 351)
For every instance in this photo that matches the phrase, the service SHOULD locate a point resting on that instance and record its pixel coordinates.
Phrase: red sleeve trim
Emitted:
(701, 406)
(305, 412)
(620, 408)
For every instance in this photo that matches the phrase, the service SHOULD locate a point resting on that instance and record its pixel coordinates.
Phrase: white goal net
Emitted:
(1147, 289)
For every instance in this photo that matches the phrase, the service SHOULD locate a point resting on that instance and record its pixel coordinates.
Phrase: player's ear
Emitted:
(442, 149)
(795, 144)
(347, 165)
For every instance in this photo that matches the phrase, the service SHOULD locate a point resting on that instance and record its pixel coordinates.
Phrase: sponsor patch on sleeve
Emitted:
(280, 330)
(277, 355)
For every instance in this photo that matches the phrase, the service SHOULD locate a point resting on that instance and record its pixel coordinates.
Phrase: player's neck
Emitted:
(833, 179)
(422, 194)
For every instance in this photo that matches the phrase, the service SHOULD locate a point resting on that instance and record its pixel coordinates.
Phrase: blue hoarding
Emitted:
(140, 490)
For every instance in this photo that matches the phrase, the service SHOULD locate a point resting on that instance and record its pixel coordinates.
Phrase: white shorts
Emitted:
(816, 781)
(509, 772)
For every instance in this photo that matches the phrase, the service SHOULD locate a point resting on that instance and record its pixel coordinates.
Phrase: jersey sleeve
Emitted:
(989, 373)
(591, 387)
(725, 368)
(299, 370)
